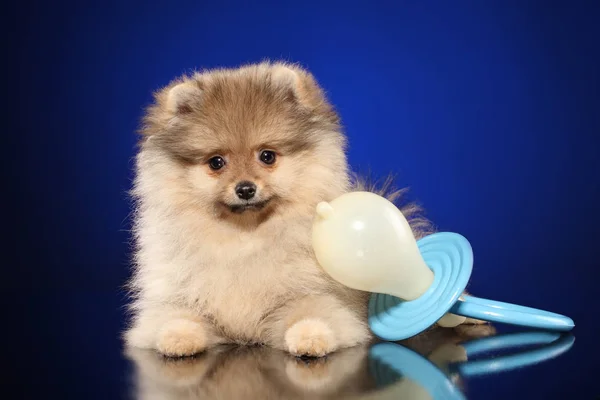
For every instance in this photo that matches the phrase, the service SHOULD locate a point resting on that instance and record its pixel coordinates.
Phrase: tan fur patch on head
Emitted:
(240, 108)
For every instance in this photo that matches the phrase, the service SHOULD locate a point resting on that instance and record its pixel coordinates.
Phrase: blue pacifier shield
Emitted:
(450, 257)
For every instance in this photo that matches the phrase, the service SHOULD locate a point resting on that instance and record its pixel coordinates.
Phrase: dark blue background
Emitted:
(487, 110)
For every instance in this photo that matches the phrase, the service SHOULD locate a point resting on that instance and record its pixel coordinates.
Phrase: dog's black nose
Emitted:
(245, 190)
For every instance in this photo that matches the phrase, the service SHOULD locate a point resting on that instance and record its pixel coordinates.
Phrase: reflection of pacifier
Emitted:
(397, 369)
(402, 373)
(363, 241)
(549, 345)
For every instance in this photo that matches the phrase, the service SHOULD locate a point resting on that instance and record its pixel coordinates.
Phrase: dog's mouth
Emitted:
(250, 206)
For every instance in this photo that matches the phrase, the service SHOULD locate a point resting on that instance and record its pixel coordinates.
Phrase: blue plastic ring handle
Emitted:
(554, 344)
(389, 361)
(496, 311)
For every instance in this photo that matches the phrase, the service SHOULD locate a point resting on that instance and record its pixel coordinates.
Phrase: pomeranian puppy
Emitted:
(230, 168)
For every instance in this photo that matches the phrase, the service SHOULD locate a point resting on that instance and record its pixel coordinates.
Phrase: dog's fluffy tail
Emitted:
(412, 211)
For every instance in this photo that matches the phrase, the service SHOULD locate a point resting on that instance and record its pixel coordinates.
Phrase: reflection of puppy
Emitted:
(261, 372)
(443, 346)
(250, 373)
(435, 337)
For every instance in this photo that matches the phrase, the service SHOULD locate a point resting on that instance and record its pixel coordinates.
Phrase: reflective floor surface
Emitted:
(73, 351)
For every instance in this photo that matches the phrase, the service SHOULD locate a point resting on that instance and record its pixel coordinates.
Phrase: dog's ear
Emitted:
(302, 84)
(180, 97)
(183, 97)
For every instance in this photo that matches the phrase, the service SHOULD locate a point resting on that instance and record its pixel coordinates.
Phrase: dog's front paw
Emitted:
(310, 337)
(181, 337)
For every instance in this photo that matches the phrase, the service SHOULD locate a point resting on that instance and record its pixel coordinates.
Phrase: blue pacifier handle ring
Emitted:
(497, 311)
(553, 345)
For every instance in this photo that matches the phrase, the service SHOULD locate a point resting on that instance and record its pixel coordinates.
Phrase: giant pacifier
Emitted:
(363, 241)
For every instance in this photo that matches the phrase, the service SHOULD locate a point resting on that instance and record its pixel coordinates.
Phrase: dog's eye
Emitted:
(267, 157)
(216, 163)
